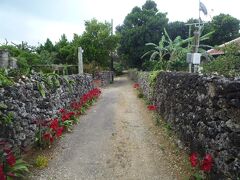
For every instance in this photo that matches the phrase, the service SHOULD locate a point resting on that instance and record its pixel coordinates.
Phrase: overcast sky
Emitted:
(35, 20)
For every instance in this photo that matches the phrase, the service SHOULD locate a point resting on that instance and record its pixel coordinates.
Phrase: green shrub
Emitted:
(178, 65)
(23, 65)
(140, 95)
(93, 68)
(227, 65)
(4, 79)
(153, 77)
(118, 68)
(150, 65)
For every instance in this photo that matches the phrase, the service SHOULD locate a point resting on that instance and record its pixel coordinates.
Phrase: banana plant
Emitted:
(158, 52)
(173, 48)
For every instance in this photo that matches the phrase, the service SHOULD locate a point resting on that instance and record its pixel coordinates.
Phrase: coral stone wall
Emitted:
(143, 79)
(205, 113)
(24, 101)
(105, 77)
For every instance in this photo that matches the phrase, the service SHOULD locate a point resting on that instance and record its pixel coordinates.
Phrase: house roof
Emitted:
(219, 52)
(215, 52)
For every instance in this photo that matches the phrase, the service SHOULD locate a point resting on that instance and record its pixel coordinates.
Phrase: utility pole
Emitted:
(197, 35)
(194, 58)
(189, 44)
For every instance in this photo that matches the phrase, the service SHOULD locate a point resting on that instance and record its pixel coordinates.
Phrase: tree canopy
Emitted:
(145, 25)
(98, 42)
(177, 28)
(225, 27)
(140, 26)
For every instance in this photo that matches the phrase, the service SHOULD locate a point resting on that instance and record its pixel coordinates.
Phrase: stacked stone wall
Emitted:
(205, 114)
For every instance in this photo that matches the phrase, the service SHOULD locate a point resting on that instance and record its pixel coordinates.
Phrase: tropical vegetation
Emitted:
(145, 25)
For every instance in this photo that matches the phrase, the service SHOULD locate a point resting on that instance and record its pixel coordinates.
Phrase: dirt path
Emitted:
(117, 139)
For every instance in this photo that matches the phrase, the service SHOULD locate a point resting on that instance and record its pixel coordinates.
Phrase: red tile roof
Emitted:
(215, 52)
(219, 52)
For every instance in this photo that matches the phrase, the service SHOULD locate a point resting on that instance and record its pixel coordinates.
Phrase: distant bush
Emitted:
(118, 68)
(179, 64)
(92, 68)
(140, 95)
(4, 78)
(227, 65)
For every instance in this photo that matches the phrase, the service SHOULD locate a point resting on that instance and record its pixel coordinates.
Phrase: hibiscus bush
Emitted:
(152, 107)
(52, 129)
(203, 166)
(136, 86)
(11, 165)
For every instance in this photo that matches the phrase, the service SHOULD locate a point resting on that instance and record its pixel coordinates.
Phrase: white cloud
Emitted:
(52, 29)
(34, 29)
(34, 21)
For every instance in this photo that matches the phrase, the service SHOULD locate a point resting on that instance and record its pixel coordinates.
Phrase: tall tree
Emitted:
(48, 45)
(97, 42)
(65, 51)
(226, 28)
(177, 28)
(141, 25)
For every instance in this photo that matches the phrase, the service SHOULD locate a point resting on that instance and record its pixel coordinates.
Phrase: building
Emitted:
(216, 52)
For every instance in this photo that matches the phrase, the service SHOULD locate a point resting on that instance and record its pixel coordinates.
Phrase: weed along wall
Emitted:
(143, 79)
(204, 112)
(25, 104)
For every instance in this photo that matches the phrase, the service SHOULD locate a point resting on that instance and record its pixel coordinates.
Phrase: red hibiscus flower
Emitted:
(207, 163)
(65, 117)
(59, 131)
(11, 160)
(2, 175)
(194, 159)
(7, 149)
(62, 110)
(75, 105)
(152, 108)
(78, 113)
(94, 93)
(54, 124)
(71, 114)
(48, 137)
(136, 86)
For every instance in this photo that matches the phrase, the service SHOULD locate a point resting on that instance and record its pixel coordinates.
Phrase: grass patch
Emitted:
(140, 95)
(41, 161)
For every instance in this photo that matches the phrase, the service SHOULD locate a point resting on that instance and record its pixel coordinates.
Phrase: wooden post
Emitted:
(80, 61)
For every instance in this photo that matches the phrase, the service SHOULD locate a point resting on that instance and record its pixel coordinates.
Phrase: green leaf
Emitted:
(41, 89)
(198, 176)
(3, 106)
(150, 44)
